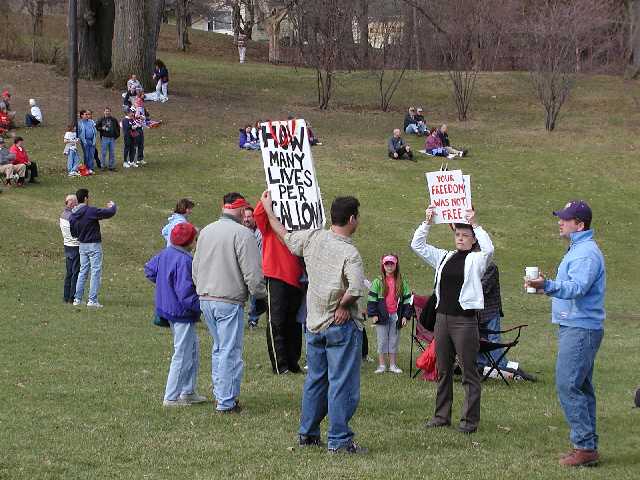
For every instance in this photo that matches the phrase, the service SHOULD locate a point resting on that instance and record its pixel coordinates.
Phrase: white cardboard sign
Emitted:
(450, 194)
(291, 176)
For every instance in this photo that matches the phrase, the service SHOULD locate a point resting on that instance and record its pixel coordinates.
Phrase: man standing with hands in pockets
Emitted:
(578, 308)
(334, 323)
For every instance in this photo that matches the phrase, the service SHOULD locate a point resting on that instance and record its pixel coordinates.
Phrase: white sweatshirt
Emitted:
(471, 295)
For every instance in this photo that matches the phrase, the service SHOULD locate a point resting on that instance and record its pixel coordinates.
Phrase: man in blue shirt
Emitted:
(578, 309)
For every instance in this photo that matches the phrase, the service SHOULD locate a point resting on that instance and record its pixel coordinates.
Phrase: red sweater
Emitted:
(21, 155)
(277, 261)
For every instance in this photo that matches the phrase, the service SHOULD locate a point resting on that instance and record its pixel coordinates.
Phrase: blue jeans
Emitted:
(110, 144)
(88, 150)
(415, 129)
(493, 324)
(333, 382)
(577, 348)
(183, 372)
(225, 325)
(73, 161)
(90, 258)
(253, 318)
(251, 146)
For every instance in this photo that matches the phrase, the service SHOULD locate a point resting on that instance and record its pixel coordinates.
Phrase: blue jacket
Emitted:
(173, 220)
(578, 290)
(176, 297)
(85, 222)
(87, 132)
(245, 138)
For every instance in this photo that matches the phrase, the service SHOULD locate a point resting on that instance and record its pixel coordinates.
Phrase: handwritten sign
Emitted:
(450, 194)
(291, 176)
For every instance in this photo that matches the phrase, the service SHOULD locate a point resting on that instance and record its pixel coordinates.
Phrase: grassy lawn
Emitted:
(82, 391)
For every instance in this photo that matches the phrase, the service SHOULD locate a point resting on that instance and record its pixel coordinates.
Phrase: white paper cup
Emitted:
(531, 273)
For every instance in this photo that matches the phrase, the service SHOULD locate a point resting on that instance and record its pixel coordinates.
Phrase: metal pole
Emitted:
(73, 61)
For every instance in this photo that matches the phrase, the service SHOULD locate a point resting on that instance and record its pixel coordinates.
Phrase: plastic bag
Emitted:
(426, 362)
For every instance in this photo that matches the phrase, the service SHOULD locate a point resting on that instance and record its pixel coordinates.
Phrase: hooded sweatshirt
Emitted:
(173, 220)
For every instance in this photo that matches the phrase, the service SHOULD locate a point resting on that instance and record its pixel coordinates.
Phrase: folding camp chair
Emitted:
(486, 347)
(419, 335)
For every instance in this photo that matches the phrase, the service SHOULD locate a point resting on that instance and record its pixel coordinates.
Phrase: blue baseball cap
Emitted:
(575, 209)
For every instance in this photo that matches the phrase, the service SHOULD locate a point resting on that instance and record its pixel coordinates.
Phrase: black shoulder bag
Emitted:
(428, 315)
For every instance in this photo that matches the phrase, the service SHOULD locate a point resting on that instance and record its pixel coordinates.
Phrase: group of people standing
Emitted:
(227, 268)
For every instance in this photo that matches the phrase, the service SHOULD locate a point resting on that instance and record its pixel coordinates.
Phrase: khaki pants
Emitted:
(9, 170)
(457, 334)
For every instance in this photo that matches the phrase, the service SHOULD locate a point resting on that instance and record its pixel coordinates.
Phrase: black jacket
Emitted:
(108, 127)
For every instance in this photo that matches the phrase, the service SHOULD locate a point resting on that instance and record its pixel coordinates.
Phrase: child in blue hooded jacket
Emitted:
(177, 302)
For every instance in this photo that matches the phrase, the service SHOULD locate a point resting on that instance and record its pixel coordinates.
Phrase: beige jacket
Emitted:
(227, 263)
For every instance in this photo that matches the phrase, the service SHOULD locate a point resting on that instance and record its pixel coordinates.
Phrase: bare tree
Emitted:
(326, 23)
(556, 31)
(35, 9)
(363, 32)
(135, 40)
(182, 11)
(392, 58)
(271, 13)
(633, 14)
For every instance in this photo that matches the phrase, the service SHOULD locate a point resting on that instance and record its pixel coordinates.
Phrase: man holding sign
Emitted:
(334, 323)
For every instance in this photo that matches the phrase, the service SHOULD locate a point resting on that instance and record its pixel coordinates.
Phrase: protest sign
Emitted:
(450, 194)
(291, 176)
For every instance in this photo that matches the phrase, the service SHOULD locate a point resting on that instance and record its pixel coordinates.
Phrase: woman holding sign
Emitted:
(458, 290)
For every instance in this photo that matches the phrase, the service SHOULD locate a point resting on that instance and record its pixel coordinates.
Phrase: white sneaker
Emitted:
(134, 164)
(381, 369)
(76, 303)
(141, 162)
(175, 403)
(192, 398)
(451, 155)
(94, 305)
(394, 369)
(460, 153)
(74, 174)
(126, 165)
(90, 172)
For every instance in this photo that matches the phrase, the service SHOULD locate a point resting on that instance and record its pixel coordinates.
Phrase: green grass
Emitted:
(81, 391)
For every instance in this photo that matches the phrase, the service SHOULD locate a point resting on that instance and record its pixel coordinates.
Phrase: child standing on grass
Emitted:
(389, 307)
(71, 151)
(178, 303)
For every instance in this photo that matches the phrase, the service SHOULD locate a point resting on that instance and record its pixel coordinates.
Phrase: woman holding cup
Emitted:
(458, 290)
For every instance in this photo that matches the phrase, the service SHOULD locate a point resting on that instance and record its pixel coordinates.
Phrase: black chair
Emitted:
(486, 347)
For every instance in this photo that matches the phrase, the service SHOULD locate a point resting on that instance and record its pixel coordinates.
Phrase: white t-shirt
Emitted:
(70, 142)
(36, 112)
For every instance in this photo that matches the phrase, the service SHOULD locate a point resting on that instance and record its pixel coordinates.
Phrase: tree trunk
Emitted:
(38, 26)
(633, 69)
(182, 14)
(135, 40)
(95, 34)
(416, 39)
(363, 33)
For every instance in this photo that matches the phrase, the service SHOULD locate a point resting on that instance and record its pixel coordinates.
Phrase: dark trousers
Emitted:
(72, 260)
(457, 334)
(284, 334)
(402, 151)
(365, 344)
(31, 172)
(31, 121)
(140, 145)
(129, 150)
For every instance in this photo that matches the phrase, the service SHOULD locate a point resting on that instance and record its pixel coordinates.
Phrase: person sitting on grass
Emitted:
(133, 85)
(21, 158)
(177, 302)
(398, 148)
(248, 141)
(433, 146)
(443, 133)
(34, 117)
(389, 307)
(7, 167)
(5, 105)
(313, 139)
(71, 151)
(5, 120)
(412, 123)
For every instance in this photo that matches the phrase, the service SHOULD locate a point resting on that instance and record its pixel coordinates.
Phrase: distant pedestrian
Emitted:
(85, 226)
(177, 302)
(71, 151)
(130, 133)
(109, 132)
(88, 136)
(249, 221)
(71, 250)
(577, 307)
(242, 46)
(161, 76)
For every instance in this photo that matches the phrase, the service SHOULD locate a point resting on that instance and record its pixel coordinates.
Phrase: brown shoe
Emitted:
(581, 458)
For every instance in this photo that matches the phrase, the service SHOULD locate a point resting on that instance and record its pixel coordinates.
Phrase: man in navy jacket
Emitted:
(85, 226)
